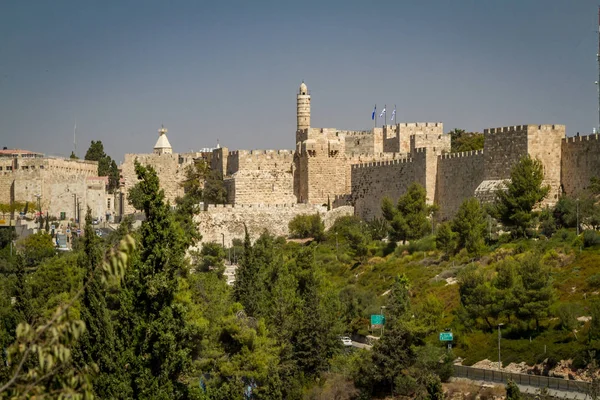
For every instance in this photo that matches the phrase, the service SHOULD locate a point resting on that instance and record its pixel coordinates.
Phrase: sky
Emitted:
(229, 71)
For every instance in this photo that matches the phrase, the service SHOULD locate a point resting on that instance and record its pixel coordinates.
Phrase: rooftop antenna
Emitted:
(598, 57)
(75, 139)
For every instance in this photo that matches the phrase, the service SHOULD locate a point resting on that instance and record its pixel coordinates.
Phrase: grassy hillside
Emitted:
(575, 274)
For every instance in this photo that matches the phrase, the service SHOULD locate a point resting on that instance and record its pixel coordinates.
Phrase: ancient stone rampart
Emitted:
(260, 186)
(226, 222)
(580, 162)
(458, 175)
(170, 168)
(266, 160)
(373, 181)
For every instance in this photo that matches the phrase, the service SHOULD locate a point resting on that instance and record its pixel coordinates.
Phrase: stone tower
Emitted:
(303, 108)
(162, 145)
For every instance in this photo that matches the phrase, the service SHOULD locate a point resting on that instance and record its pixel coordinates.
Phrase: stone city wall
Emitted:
(544, 142)
(363, 142)
(268, 160)
(580, 162)
(437, 142)
(229, 220)
(503, 147)
(371, 182)
(458, 175)
(170, 169)
(264, 186)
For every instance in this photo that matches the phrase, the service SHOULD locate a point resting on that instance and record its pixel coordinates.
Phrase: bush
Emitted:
(594, 281)
(425, 244)
(591, 238)
(307, 226)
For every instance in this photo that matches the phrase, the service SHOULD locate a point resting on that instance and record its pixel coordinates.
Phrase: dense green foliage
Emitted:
(307, 226)
(106, 165)
(514, 206)
(460, 140)
(408, 219)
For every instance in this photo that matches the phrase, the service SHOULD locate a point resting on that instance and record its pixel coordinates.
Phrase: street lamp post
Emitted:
(382, 319)
(578, 216)
(499, 337)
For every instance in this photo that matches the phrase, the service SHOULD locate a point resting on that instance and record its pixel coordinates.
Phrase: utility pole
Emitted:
(578, 216)
(499, 337)
(598, 58)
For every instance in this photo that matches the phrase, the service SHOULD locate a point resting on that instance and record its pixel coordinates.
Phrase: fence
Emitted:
(478, 374)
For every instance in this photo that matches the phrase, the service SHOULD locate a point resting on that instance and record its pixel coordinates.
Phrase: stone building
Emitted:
(63, 188)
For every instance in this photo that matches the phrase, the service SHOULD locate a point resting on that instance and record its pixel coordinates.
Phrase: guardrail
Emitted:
(490, 375)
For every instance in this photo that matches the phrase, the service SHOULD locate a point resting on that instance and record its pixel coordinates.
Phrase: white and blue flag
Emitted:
(393, 114)
(374, 111)
(382, 112)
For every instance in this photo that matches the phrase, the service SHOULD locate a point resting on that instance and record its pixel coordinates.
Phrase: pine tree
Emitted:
(97, 344)
(157, 340)
(247, 281)
(469, 224)
(523, 192)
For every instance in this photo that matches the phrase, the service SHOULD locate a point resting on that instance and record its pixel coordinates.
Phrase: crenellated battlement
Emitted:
(300, 206)
(586, 138)
(261, 153)
(386, 163)
(522, 128)
(420, 124)
(464, 154)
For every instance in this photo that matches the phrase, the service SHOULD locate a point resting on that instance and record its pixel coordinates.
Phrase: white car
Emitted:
(346, 341)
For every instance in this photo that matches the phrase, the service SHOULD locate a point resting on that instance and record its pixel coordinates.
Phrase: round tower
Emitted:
(303, 107)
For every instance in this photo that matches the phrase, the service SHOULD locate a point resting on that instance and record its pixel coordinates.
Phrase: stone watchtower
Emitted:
(302, 113)
(162, 145)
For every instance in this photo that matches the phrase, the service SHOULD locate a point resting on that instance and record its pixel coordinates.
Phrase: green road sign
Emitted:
(446, 336)
(377, 319)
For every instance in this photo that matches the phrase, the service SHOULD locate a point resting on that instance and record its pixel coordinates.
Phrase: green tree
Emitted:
(307, 226)
(214, 188)
(409, 219)
(535, 292)
(106, 165)
(36, 248)
(445, 239)
(477, 296)
(73, 156)
(247, 286)
(157, 340)
(97, 343)
(469, 224)
(523, 192)
(460, 140)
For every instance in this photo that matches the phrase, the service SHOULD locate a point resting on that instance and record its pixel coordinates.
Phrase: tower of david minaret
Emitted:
(302, 113)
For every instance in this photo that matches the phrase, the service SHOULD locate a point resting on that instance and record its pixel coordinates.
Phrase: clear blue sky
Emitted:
(230, 70)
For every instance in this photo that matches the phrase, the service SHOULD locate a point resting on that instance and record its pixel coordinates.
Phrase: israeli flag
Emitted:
(393, 114)
(374, 111)
(382, 112)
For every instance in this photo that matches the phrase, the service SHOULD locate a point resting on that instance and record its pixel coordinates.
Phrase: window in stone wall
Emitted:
(108, 206)
(9, 168)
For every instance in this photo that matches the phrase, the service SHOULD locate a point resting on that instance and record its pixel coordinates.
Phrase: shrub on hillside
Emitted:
(307, 226)
(591, 238)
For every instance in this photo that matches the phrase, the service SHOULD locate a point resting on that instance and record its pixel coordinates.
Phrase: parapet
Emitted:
(420, 124)
(523, 128)
(463, 154)
(586, 138)
(386, 163)
(259, 206)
